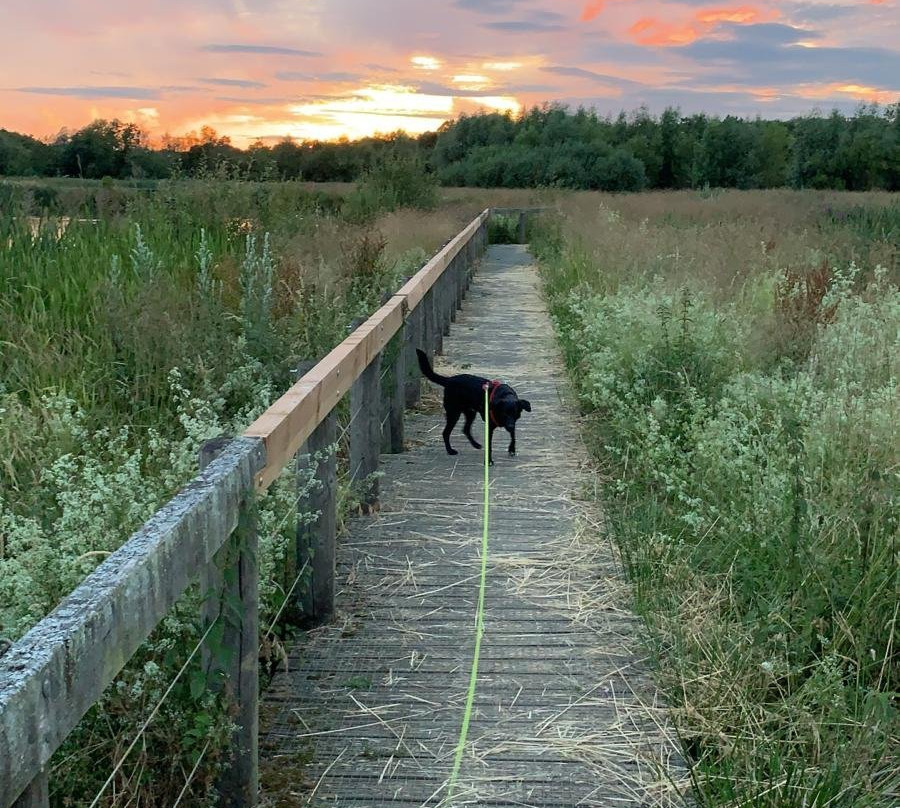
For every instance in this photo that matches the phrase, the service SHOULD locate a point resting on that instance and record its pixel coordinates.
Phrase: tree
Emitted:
(101, 149)
(23, 156)
(546, 145)
(668, 138)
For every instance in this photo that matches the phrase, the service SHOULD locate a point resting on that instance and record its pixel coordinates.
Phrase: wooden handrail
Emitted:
(293, 417)
(59, 669)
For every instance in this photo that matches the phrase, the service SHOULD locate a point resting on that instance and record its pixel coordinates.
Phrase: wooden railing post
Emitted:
(424, 309)
(230, 588)
(316, 536)
(397, 394)
(452, 273)
(462, 268)
(294, 613)
(433, 318)
(477, 252)
(448, 301)
(521, 230)
(386, 392)
(36, 795)
(413, 338)
(365, 433)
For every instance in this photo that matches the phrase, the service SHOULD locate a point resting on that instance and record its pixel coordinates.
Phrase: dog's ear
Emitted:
(524, 404)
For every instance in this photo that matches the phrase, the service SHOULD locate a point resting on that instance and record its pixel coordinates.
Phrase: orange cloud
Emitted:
(592, 9)
(650, 31)
(742, 15)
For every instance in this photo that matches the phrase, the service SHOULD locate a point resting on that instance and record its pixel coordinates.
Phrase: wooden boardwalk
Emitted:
(369, 711)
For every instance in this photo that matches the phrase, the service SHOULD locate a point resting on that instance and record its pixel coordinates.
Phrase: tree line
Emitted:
(548, 145)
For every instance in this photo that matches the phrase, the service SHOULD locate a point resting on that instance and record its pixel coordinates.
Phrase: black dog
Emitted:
(464, 395)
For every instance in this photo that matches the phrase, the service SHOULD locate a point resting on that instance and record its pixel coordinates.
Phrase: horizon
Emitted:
(184, 140)
(270, 71)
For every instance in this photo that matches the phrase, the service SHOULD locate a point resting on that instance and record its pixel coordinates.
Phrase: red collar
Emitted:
(494, 384)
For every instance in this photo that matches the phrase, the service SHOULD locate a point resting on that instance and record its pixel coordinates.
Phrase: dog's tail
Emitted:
(428, 371)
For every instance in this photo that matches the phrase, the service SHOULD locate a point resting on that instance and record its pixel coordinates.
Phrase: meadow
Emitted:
(135, 323)
(736, 357)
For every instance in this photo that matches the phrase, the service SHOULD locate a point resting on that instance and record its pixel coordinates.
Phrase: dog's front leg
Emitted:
(512, 443)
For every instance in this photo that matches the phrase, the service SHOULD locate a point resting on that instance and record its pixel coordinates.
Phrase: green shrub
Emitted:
(392, 183)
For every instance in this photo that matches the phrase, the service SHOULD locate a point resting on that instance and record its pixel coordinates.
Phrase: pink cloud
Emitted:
(592, 10)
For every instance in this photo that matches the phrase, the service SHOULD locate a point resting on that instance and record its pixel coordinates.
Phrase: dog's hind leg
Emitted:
(467, 428)
(452, 419)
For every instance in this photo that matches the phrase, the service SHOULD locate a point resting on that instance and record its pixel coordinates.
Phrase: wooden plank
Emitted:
(530, 211)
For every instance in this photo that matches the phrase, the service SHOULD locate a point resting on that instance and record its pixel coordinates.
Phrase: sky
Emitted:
(324, 69)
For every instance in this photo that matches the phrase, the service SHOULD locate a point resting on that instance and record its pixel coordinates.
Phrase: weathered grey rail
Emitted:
(59, 669)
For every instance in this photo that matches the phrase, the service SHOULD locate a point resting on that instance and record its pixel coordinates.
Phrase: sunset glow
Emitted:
(349, 68)
(871, 95)
(502, 66)
(426, 62)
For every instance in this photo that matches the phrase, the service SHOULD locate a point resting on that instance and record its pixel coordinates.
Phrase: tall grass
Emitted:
(738, 359)
(133, 326)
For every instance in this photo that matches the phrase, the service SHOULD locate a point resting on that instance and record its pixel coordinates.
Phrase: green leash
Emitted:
(479, 615)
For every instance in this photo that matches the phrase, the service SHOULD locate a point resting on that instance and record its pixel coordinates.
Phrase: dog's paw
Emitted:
(476, 444)
(512, 452)
(452, 452)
